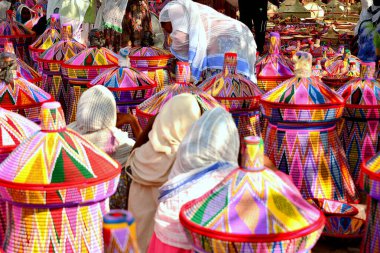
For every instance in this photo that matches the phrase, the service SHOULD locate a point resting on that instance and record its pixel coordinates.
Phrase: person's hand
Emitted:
(129, 119)
(144, 138)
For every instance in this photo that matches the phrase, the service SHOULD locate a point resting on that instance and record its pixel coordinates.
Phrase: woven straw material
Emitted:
(44, 42)
(221, 220)
(236, 93)
(272, 69)
(13, 130)
(314, 159)
(23, 97)
(330, 207)
(335, 82)
(56, 185)
(119, 231)
(153, 105)
(129, 87)
(371, 240)
(17, 33)
(153, 61)
(360, 134)
(81, 69)
(302, 100)
(344, 227)
(50, 62)
(68, 229)
(24, 70)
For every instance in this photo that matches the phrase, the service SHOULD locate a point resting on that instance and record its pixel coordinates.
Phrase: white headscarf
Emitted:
(96, 122)
(201, 36)
(151, 163)
(208, 153)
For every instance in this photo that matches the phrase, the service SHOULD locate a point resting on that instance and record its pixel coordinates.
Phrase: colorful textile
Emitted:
(222, 217)
(119, 231)
(56, 158)
(207, 154)
(111, 14)
(152, 61)
(201, 36)
(360, 132)
(151, 163)
(236, 93)
(273, 67)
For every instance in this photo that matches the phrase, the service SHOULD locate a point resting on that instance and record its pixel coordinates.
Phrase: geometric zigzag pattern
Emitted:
(229, 209)
(69, 229)
(315, 161)
(371, 240)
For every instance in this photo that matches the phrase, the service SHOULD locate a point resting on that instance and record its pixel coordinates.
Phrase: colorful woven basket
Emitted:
(129, 87)
(47, 39)
(81, 69)
(153, 61)
(119, 231)
(14, 129)
(18, 34)
(51, 61)
(152, 106)
(24, 70)
(302, 139)
(273, 68)
(360, 134)
(22, 97)
(254, 209)
(371, 185)
(238, 94)
(56, 185)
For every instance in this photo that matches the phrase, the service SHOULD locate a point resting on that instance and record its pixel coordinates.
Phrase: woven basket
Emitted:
(153, 61)
(221, 219)
(152, 106)
(56, 196)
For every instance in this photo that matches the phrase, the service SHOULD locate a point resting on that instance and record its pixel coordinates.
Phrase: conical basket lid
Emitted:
(233, 90)
(14, 128)
(24, 70)
(274, 64)
(154, 52)
(182, 85)
(251, 210)
(92, 58)
(57, 158)
(61, 51)
(123, 79)
(362, 93)
(371, 177)
(10, 29)
(21, 95)
(303, 97)
(46, 40)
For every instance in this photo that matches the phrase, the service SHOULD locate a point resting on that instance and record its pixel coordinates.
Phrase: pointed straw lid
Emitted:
(92, 58)
(233, 90)
(10, 29)
(24, 70)
(371, 177)
(64, 49)
(363, 94)
(57, 160)
(303, 98)
(14, 128)
(49, 37)
(274, 64)
(182, 85)
(252, 208)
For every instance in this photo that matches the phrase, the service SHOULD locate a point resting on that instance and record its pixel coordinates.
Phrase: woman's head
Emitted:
(96, 110)
(213, 138)
(174, 17)
(173, 121)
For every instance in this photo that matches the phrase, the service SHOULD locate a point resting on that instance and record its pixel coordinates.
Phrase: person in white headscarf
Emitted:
(96, 120)
(200, 35)
(151, 162)
(207, 154)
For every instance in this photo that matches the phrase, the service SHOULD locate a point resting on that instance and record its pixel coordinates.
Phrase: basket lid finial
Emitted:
(253, 153)
(302, 64)
(275, 42)
(183, 73)
(52, 117)
(230, 63)
(67, 31)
